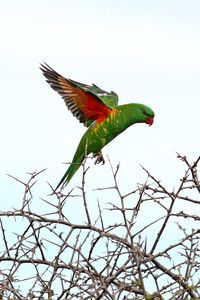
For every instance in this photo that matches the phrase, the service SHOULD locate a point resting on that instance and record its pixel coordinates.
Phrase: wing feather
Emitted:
(87, 103)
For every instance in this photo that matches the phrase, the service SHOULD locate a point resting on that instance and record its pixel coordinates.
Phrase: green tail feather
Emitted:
(69, 174)
(74, 166)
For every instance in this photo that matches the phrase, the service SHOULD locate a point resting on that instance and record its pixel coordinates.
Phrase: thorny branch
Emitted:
(147, 249)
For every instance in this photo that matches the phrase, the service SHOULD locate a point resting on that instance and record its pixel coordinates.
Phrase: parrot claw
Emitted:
(99, 158)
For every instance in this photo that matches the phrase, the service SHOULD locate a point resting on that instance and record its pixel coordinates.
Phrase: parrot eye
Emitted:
(145, 113)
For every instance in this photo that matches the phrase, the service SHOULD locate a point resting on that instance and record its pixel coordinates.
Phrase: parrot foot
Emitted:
(99, 158)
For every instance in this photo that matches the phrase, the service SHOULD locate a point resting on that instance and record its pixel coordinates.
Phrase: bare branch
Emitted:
(141, 245)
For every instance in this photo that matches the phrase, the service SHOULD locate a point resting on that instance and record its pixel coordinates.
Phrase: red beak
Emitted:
(149, 121)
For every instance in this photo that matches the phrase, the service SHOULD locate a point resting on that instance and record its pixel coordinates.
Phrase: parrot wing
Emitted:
(87, 103)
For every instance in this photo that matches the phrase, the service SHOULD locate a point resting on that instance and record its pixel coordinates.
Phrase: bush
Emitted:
(148, 249)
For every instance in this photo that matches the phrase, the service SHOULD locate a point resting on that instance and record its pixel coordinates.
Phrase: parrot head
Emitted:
(145, 114)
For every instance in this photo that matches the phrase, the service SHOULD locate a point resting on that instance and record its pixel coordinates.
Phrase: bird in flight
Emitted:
(99, 111)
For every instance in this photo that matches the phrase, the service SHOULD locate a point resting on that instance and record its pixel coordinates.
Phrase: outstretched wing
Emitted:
(87, 103)
(109, 99)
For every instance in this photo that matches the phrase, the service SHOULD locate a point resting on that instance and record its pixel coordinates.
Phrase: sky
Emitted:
(145, 51)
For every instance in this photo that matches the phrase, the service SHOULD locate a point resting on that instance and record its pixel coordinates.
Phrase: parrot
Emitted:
(99, 111)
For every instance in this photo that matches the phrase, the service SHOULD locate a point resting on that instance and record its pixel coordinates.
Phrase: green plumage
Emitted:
(109, 99)
(99, 135)
(99, 111)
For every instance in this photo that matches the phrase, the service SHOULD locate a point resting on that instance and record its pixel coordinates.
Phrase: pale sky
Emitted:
(145, 51)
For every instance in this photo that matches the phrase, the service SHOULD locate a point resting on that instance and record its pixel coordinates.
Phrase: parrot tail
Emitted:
(74, 166)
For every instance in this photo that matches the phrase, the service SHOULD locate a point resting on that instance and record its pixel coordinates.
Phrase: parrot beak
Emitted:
(149, 121)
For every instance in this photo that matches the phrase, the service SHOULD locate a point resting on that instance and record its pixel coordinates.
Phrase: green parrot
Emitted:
(99, 111)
